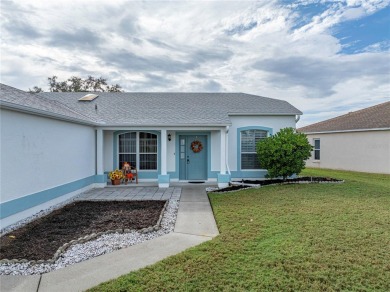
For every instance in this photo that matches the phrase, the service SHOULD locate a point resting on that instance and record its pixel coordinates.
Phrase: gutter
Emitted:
(346, 131)
(265, 114)
(43, 113)
(165, 125)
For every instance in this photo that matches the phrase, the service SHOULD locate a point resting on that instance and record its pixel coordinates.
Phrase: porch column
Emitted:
(223, 151)
(163, 177)
(99, 178)
(223, 178)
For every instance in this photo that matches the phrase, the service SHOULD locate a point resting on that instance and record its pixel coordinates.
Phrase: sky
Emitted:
(326, 58)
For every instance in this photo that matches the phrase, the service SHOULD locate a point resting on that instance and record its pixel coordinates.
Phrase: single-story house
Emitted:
(57, 144)
(357, 141)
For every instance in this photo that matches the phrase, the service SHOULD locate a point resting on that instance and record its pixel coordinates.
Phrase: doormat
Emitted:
(196, 182)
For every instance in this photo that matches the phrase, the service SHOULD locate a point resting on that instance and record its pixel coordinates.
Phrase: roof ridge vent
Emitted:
(88, 97)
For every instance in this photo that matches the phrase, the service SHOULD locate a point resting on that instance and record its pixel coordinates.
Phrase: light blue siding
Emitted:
(23, 203)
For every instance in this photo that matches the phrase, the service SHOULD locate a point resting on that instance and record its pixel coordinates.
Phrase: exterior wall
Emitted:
(108, 150)
(275, 123)
(357, 151)
(42, 159)
(271, 123)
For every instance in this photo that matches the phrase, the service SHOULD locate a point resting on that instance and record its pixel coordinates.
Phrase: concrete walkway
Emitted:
(195, 224)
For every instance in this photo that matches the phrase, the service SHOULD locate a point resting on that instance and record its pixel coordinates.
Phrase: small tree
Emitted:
(77, 84)
(284, 153)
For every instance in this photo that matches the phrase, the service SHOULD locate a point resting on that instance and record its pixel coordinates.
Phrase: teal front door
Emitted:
(193, 157)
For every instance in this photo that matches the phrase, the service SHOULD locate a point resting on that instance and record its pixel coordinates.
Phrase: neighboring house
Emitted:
(357, 141)
(54, 145)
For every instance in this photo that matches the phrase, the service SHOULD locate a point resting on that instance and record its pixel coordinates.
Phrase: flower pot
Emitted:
(115, 182)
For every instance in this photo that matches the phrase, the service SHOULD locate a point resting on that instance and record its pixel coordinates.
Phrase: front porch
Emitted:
(164, 156)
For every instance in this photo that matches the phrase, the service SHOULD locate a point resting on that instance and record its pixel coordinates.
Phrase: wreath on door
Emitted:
(196, 146)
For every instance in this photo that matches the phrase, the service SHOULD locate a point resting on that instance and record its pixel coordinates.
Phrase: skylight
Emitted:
(88, 97)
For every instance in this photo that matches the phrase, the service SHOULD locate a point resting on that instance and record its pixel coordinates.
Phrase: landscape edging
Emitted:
(86, 238)
(255, 186)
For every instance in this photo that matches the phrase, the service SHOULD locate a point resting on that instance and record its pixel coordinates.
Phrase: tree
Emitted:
(284, 153)
(35, 89)
(77, 84)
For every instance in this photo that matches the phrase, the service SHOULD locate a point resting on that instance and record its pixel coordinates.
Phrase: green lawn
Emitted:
(294, 237)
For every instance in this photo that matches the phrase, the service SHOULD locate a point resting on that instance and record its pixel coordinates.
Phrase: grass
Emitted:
(318, 237)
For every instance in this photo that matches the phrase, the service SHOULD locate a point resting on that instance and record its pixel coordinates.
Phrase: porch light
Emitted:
(169, 137)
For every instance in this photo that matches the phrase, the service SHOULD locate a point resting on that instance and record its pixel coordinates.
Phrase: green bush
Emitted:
(284, 153)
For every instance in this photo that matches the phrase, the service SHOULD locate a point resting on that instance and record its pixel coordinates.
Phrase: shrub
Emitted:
(284, 153)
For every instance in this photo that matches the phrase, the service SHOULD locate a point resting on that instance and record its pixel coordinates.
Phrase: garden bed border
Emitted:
(86, 238)
(254, 186)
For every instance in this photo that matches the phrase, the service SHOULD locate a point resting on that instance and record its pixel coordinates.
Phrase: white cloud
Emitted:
(253, 47)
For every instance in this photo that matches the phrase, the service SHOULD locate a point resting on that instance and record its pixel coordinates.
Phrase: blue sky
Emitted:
(358, 35)
(324, 57)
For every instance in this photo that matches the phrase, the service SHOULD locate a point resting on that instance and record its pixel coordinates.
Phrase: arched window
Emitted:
(249, 139)
(139, 149)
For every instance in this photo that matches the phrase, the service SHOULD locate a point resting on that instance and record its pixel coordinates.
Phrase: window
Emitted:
(139, 149)
(317, 147)
(249, 139)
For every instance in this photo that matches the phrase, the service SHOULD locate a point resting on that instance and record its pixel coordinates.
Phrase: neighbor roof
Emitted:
(375, 117)
(153, 109)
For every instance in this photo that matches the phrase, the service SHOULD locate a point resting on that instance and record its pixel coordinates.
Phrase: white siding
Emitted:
(357, 151)
(39, 153)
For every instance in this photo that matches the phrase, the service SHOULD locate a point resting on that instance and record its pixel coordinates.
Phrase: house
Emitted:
(357, 141)
(57, 144)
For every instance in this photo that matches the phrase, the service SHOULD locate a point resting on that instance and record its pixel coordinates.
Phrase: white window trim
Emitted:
(241, 152)
(316, 149)
(137, 149)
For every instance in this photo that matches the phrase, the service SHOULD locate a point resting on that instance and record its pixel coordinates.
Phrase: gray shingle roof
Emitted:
(172, 108)
(375, 117)
(151, 109)
(15, 97)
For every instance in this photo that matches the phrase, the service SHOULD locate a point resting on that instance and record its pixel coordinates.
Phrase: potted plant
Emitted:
(116, 176)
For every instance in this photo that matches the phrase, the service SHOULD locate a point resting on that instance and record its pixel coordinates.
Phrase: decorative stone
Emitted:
(101, 245)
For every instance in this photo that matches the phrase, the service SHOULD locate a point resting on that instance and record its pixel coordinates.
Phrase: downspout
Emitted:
(297, 118)
(227, 150)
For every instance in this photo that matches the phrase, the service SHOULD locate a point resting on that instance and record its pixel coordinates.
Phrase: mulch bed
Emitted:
(247, 183)
(230, 188)
(310, 179)
(40, 239)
